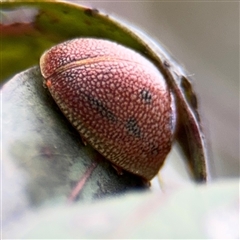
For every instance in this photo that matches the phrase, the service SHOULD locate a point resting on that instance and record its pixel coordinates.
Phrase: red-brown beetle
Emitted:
(117, 100)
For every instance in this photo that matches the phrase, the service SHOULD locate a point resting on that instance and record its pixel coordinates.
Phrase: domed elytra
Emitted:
(117, 100)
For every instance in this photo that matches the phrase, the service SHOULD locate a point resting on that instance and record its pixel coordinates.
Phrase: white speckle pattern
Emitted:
(118, 101)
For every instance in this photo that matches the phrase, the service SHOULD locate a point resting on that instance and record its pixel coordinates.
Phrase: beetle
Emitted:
(118, 101)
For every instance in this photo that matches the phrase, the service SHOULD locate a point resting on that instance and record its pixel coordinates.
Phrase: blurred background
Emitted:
(204, 38)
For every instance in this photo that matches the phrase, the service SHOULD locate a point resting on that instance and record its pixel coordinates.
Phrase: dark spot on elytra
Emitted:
(133, 128)
(91, 12)
(146, 96)
(100, 108)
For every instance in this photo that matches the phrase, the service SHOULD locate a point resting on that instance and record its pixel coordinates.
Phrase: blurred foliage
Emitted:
(191, 213)
(39, 25)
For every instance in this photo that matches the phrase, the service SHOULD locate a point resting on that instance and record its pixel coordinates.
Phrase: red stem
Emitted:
(77, 189)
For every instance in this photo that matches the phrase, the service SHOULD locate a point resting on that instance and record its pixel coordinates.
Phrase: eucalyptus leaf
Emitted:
(43, 156)
(39, 25)
(202, 212)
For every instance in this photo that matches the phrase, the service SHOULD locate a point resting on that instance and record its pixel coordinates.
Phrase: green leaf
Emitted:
(39, 25)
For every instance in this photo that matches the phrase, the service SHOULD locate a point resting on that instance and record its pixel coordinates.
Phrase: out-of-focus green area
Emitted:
(28, 29)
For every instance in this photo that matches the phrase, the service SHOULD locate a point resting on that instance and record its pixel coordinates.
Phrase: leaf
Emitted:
(203, 212)
(39, 25)
(43, 156)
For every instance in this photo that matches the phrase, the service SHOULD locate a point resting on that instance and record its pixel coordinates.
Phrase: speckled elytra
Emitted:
(117, 100)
